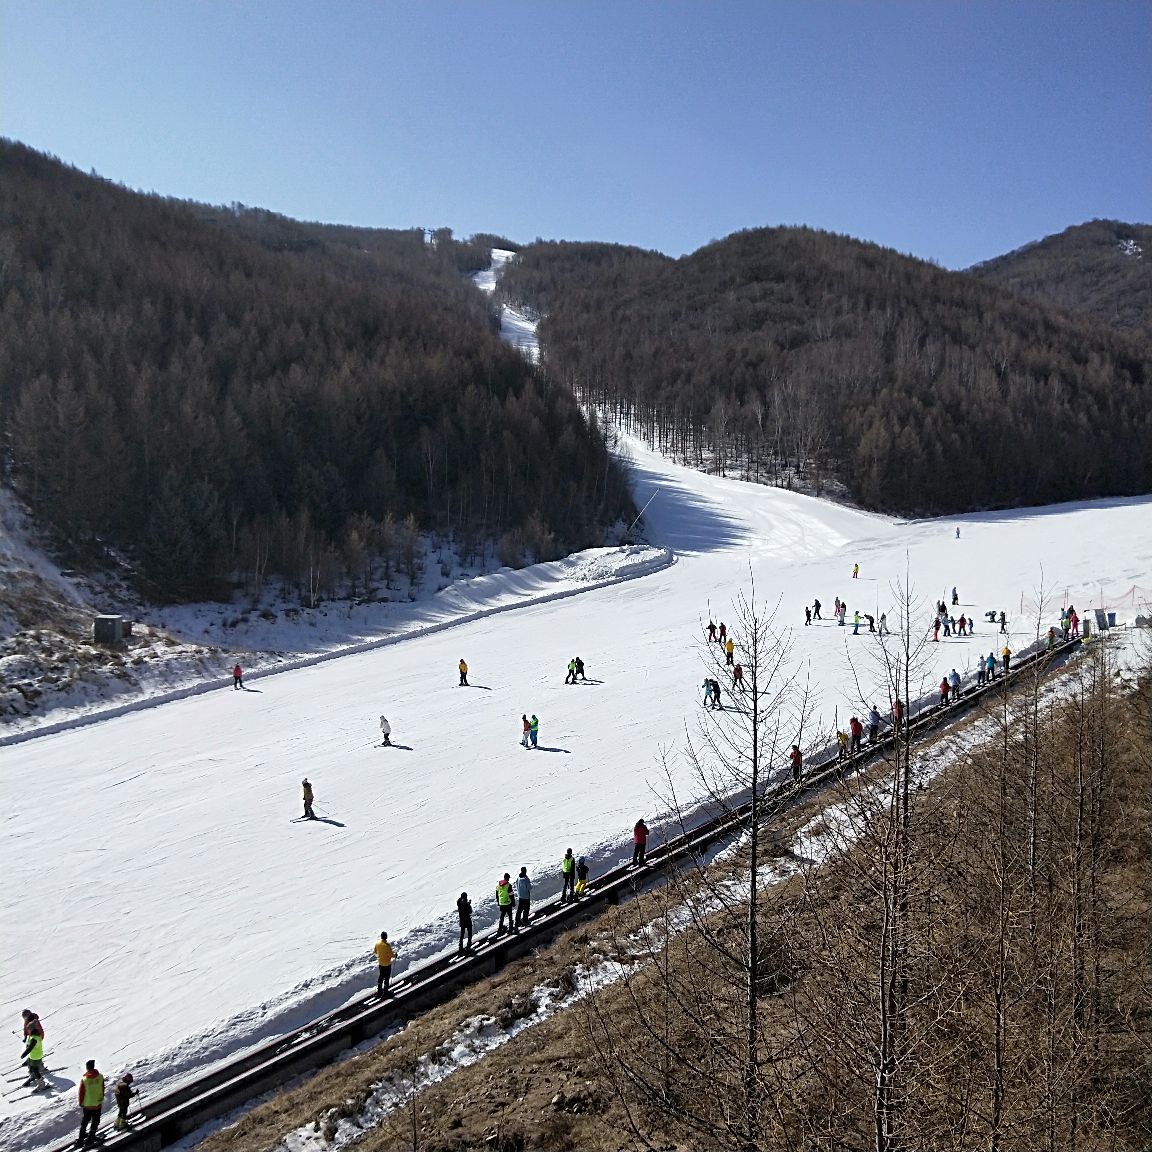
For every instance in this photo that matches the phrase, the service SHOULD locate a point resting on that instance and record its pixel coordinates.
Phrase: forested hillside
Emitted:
(222, 393)
(1102, 269)
(798, 356)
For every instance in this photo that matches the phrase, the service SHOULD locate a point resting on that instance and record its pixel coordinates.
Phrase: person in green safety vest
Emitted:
(91, 1096)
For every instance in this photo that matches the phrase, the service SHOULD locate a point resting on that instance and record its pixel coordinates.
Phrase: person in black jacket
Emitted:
(124, 1094)
(464, 909)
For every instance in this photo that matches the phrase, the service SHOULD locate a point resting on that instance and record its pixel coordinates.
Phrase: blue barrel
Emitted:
(1111, 619)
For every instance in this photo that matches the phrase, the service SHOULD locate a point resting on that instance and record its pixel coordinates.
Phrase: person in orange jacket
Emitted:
(237, 677)
(91, 1098)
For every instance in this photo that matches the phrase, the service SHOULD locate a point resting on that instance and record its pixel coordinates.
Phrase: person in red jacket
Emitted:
(797, 761)
(856, 731)
(237, 677)
(639, 842)
(91, 1097)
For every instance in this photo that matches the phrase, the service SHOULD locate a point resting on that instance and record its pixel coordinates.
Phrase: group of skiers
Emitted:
(90, 1096)
(840, 613)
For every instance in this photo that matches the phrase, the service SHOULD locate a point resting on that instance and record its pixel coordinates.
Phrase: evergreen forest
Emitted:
(805, 358)
(221, 394)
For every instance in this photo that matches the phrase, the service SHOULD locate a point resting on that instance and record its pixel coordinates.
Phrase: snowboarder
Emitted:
(816, 610)
(463, 667)
(527, 729)
(308, 797)
(237, 677)
(797, 762)
(855, 571)
(506, 902)
(807, 615)
(571, 677)
(533, 729)
(711, 631)
(568, 877)
(639, 843)
(124, 1094)
(873, 725)
(723, 633)
(386, 729)
(384, 957)
(33, 1054)
(738, 677)
(581, 877)
(523, 897)
(464, 911)
(91, 1097)
(729, 648)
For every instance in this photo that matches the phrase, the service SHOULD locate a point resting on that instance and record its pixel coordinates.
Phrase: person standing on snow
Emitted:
(384, 958)
(797, 762)
(707, 686)
(571, 677)
(463, 667)
(807, 615)
(944, 690)
(579, 671)
(873, 725)
(123, 1095)
(308, 798)
(464, 911)
(1003, 623)
(723, 633)
(729, 649)
(816, 610)
(237, 677)
(506, 902)
(738, 677)
(955, 596)
(639, 843)
(33, 1054)
(856, 731)
(1006, 654)
(883, 623)
(527, 724)
(91, 1097)
(533, 729)
(716, 695)
(386, 729)
(568, 877)
(523, 897)
(954, 684)
(581, 877)
(711, 631)
(990, 667)
(856, 623)
(843, 612)
(855, 571)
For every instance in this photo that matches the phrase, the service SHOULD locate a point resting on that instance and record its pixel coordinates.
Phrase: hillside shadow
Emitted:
(679, 518)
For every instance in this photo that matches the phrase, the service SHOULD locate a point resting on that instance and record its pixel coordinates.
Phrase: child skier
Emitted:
(386, 730)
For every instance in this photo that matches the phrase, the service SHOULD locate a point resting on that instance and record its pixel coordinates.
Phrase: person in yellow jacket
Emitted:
(384, 958)
(729, 648)
(91, 1097)
(1006, 655)
(506, 902)
(33, 1055)
(463, 666)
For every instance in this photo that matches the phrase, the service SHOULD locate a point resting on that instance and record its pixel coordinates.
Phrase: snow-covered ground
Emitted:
(163, 910)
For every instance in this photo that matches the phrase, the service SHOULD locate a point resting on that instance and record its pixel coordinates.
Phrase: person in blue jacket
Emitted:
(523, 897)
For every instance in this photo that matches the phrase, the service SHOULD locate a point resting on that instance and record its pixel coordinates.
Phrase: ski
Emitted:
(21, 1094)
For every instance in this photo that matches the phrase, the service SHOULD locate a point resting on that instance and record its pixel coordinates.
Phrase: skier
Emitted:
(463, 666)
(639, 843)
(955, 596)
(581, 877)
(797, 762)
(807, 615)
(856, 731)
(571, 677)
(873, 725)
(464, 911)
(308, 799)
(527, 729)
(957, 531)
(954, 684)
(936, 630)
(1003, 622)
(871, 622)
(711, 631)
(856, 623)
(91, 1097)
(523, 897)
(729, 648)
(816, 610)
(506, 901)
(237, 677)
(384, 957)
(568, 877)
(963, 625)
(33, 1053)
(836, 607)
(386, 729)
(723, 633)
(716, 695)
(124, 1094)
(707, 686)
(579, 671)
(855, 571)
(533, 729)
(843, 612)
(883, 623)
(738, 677)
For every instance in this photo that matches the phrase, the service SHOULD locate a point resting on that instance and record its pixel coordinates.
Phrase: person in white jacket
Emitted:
(386, 728)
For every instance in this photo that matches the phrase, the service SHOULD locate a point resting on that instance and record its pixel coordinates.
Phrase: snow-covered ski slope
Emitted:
(162, 910)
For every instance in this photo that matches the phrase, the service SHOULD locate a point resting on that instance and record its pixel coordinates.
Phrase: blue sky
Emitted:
(954, 131)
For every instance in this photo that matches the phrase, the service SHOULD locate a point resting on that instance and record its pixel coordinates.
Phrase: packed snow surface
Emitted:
(163, 906)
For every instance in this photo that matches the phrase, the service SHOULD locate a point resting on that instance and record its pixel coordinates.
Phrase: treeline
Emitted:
(1102, 269)
(798, 356)
(221, 392)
